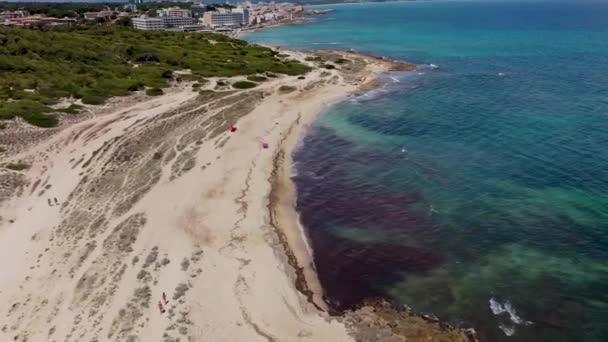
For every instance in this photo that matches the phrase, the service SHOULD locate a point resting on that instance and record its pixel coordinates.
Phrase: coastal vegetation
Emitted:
(55, 9)
(17, 166)
(37, 68)
(154, 92)
(244, 85)
(256, 78)
(286, 89)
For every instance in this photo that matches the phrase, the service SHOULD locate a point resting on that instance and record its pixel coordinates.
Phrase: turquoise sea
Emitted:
(475, 189)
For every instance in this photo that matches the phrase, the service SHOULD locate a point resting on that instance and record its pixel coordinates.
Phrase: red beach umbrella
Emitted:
(232, 128)
(264, 144)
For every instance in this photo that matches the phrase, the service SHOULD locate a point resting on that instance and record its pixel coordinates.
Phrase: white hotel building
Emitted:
(174, 12)
(167, 17)
(147, 24)
(237, 17)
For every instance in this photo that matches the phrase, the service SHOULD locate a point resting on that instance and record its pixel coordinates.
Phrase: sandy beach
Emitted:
(149, 220)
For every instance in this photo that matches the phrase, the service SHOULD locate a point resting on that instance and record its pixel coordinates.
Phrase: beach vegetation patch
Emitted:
(154, 92)
(95, 62)
(71, 109)
(244, 85)
(313, 59)
(93, 99)
(256, 78)
(286, 89)
(329, 66)
(17, 166)
(33, 112)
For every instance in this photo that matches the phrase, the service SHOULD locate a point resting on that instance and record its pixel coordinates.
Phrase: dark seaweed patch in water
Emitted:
(351, 270)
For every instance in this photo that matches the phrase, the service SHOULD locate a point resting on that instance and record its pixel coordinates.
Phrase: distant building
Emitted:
(30, 21)
(244, 12)
(177, 21)
(136, 1)
(100, 14)
(131, 7)
(12, 15)
(232, 19)
(174, 12)
(193, 28)
(147, 24)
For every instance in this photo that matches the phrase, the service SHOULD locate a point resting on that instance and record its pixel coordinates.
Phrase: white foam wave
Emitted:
(507, 307)
(509, 331)
(395, 79)
(293, 170)
(313, 175)
(433, 66)
(502, 74)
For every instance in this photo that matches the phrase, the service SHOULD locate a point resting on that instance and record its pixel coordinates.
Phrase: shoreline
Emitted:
(284, 217)
(283, 214)
(282, 203)
(155, 195)
(297, 21)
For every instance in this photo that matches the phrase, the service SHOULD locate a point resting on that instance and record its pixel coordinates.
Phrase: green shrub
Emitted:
(329, 66)
(72, 109)
(256, 78)
(154, 92)
(291, 68)
(341, 61)
(31, 111)
(93, 99)
(18, 166)
(286, 89)
(244, 85)
(313, 59)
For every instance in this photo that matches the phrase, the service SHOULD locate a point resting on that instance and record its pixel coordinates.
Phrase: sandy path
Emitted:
(160, 197)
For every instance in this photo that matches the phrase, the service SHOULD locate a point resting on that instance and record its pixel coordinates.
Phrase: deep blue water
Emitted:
(476, 191)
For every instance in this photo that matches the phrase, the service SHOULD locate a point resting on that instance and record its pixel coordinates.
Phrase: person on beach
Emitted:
(161, 308)
(49, 202)
(165, 299)
(56, 201)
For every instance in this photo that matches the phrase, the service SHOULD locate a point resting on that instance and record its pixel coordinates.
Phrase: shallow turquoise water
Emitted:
(476, 191)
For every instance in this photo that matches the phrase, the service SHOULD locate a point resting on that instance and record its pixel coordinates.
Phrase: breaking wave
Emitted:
(499, 309)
